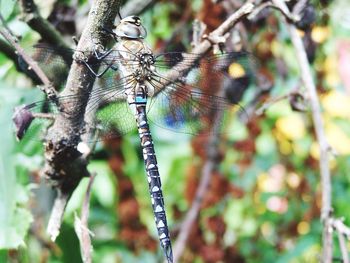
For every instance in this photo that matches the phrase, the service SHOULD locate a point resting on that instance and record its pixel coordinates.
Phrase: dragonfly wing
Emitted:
(114, 120)
(236, 68)
(106, 111)
(56, 61)
(224, 62)
(186, 108)
(109, 110)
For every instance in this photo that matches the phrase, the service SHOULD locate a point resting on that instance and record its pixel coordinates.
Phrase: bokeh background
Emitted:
(264, 199)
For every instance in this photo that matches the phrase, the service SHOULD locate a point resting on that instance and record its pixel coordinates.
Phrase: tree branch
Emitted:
(182, 68)
(46, 30)
(32, 65)
(342, 231)
(65, 166)
(309, 84)
(210, 163)
(10, 52)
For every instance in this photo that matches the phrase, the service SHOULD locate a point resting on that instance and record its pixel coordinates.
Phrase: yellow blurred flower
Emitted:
(303, 228)
(285, 147)
(293, 180)
(320, 33)
(276, 48)
(330, 67)
(291, 126)
(336, 104)
(301, 33)
(338, 139)
(236, 70)
(315, 150)
(263, 183)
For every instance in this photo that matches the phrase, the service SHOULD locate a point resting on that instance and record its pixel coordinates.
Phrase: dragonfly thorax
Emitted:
(146, 60)
(142, 75)
(136, 64)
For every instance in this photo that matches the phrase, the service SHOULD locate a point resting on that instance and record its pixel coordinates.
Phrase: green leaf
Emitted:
(103, 187)
(266, 144)
(278, 109)
(7, 8)
(69, 244)
(14, 220)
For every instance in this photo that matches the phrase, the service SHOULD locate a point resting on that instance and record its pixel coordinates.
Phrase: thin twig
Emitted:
(343, 248)
(310, 86)
(33, 18)
(198, 28)
(48, 87)
(342, 231)
(339, 225)
(209, 165)
(182, 68)
(42, 115)
(81, 225)
(285, 12)
(274, 100)
(206, 175)
(56, 216)
(299, 6)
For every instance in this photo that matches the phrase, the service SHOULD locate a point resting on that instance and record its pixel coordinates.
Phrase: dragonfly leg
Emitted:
(98, 75)
(102, 55)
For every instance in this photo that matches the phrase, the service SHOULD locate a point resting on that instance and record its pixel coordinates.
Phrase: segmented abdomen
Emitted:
(154, 182)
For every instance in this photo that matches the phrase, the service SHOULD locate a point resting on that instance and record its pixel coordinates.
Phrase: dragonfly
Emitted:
(134, 84)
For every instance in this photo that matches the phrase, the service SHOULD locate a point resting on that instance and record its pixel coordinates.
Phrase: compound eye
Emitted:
(135, 20)
(131, 27)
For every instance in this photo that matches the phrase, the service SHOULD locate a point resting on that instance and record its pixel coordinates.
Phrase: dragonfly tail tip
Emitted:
(168, 253)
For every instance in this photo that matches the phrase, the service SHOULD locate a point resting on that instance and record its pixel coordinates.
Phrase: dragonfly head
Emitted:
(130, 27)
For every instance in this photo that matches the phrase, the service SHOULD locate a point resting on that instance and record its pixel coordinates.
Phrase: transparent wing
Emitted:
(110, 111)
(111, 55)
(106, 112)
(216, 62)
(186, 108)
(56, 61)
(208, 72)
(190, 103)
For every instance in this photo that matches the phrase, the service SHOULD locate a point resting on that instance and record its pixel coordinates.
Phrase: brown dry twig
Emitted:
(343, 232)
(269, 103)
(306, 75)
(32, 65)
(182, 68)
(47, 31)
(210, 163)
(81, 225)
